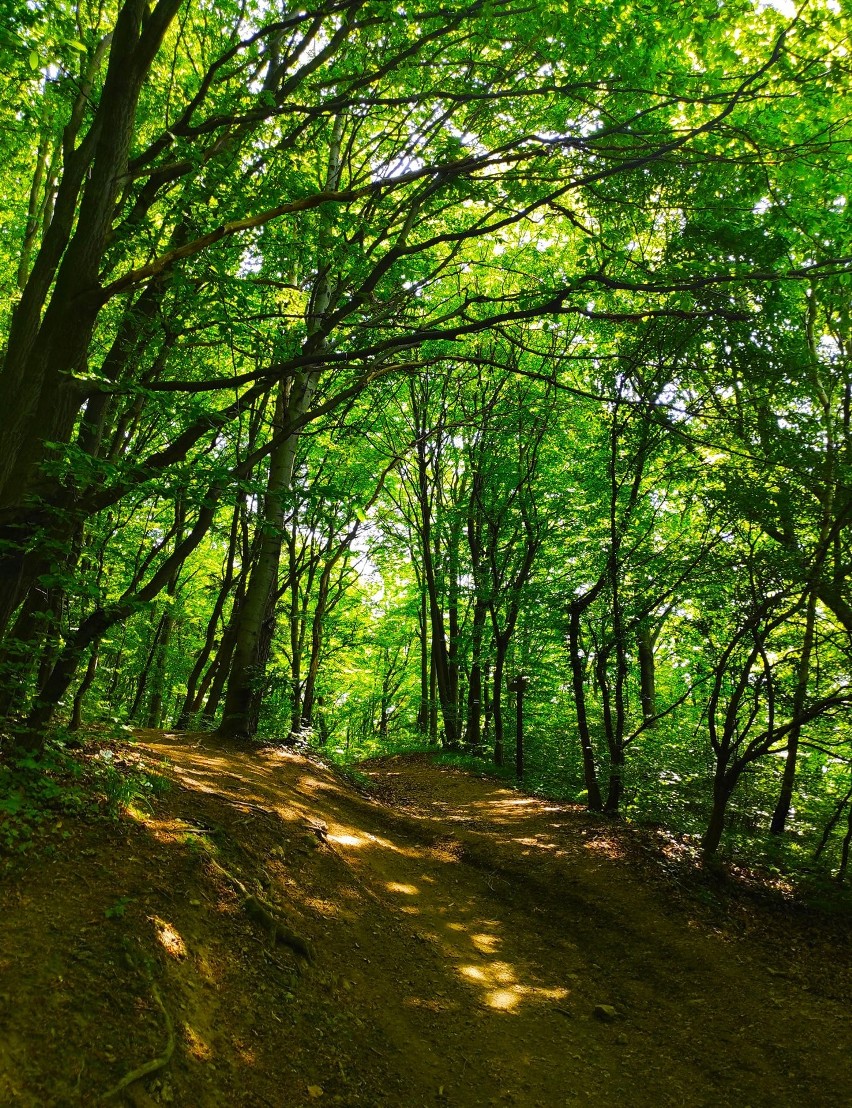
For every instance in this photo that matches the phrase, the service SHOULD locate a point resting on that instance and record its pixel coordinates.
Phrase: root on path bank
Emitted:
(264, 913)
(158, 1063)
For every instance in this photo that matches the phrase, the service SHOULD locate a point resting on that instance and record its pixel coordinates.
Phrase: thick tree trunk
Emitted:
(40, 393)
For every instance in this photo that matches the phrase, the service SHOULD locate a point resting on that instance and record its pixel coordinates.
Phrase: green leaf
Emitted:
(33, 60)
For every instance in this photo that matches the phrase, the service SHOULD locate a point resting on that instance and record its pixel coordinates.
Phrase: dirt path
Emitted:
(473, 947)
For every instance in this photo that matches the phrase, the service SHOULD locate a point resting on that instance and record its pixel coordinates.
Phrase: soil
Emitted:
(266, 933)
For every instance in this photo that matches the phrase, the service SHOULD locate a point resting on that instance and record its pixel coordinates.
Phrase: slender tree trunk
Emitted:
(159, 668)
(251, 649)
(519, 730)
(723, 787)
(294, 626)
(475, 694)
(144, 673)
(31, 737)
(595, 801)
(500, 648)
(647, 673)
(446, 689)
(85, 685)
(217, 674)
(788, 779)
(424, 710)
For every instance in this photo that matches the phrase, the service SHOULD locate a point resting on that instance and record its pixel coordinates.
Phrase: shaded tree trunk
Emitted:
(578, 681)
(788, 779)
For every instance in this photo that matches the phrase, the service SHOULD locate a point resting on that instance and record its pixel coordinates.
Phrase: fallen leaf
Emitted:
(314, 1092)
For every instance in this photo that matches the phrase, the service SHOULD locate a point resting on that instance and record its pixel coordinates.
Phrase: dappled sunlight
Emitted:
(422, 874)
(495, 973)
(398, 887)
(606, 847)
(196, 1046)
(503, 992)
(168, 938)
(341, 835)
(485, 944)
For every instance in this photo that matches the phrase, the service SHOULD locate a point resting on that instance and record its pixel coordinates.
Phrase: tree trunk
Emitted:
(85, 685)
(254, 634)
(788, 779)
(52, 325)
(423, 711)
(647, 673)
(723, 787)
(616, 780)
(144, 673)
(593, 792)
(473, 725)
(500, 647)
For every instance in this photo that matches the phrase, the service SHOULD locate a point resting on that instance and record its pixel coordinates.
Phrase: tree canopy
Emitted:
(367, 365)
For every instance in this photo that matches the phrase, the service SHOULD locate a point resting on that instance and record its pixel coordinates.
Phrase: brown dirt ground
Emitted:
(464, 934)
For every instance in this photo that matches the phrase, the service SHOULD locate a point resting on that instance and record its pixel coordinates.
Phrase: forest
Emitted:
(392, 375)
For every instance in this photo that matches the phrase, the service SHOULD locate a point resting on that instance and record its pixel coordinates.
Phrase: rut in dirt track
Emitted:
(511, 956)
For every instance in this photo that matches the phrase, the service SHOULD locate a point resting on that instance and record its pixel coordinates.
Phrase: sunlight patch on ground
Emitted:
(497, 973)
(486, 944)
(535, 841)
(195, 1044)
(503, 992)
(398, 887)
(348, 840)
(168, 938)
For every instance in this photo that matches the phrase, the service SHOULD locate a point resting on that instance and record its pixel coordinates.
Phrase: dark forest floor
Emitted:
(470, 946)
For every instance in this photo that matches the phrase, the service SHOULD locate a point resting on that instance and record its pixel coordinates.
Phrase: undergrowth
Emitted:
(100, 779)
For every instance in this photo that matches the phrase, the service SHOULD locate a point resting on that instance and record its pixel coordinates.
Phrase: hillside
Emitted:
(434, 938)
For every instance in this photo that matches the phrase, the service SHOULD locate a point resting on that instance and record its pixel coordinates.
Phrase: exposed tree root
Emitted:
(155, 1063)
(264, 913)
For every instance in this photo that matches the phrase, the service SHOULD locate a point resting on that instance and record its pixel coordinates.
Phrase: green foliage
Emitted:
(543, 313)
(36, 795)
(117, 910)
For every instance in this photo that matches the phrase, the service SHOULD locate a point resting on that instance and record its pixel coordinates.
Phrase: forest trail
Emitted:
(473, 946)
